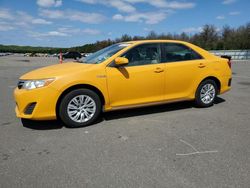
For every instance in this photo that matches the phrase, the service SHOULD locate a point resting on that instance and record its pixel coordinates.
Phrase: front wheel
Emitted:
(206, 93)
(80, 107)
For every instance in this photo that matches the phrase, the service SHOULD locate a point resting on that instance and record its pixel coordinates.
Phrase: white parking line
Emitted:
(195, 150)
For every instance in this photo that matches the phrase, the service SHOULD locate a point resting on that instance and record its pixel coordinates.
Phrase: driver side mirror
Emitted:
(121, 61)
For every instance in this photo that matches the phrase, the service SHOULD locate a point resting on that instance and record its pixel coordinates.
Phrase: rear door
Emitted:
(183, 67)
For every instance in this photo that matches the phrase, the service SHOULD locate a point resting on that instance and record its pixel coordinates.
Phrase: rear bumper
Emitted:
(45, 100)
(229, 82)
(225, 84)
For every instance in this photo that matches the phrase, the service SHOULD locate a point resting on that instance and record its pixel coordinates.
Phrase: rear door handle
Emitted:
(201, 65)
(158, 70)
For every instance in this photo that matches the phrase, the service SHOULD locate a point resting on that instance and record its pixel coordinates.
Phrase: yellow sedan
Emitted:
(124, 75)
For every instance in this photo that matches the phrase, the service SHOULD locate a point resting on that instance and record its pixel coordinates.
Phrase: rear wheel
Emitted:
(206, 93)
(80, 107)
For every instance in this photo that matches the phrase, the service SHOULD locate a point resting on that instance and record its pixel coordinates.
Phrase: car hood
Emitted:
(56, 70)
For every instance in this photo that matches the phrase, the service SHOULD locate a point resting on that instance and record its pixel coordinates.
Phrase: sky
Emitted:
(67, 23)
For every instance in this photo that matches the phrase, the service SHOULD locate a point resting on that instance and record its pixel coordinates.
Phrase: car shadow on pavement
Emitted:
(57, 124)
(219, 100)
(152, 109)
(42, 125)
(147, 110)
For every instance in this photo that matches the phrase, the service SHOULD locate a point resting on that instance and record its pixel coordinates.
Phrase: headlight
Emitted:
(32, 84)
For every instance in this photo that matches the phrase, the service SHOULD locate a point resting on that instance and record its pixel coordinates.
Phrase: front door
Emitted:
(140, 81)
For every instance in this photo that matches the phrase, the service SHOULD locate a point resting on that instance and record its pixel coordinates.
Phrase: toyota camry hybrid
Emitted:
(123, 75)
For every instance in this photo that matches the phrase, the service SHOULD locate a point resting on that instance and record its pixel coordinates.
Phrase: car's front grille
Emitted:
(20, 84)
(29, 109)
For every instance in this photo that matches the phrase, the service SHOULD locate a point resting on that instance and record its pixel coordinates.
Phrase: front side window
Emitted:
(143, 55)
(173, 52)
(105, 53)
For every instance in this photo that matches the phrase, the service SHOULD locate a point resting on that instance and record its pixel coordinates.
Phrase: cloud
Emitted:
(170, 4)
(127, 5)
(56, 34)
(25, 20)
(90, 31)
(12, 20)
(54, 14)
(84, 17)
(5, 14)
(63, 32)
(40, 21)
(5, 26)
(220, 17)
(179, 5)
(192, 30)
(235, 13)
(71, 30)
(118, 17)
(47, 34)
(227, 2)
(88, 1)
(147, 17)
(129, 13)
(120, 5)
(49, 3)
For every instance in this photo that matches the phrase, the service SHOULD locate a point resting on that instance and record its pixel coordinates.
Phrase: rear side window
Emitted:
(174, 52)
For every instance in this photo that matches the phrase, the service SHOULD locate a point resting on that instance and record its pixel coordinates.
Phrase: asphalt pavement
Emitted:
(173, 145)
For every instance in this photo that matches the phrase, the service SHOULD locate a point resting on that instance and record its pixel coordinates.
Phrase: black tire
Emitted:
(198, 100)
(63, 108)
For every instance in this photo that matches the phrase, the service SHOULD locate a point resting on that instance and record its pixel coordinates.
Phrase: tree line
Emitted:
(209, 38)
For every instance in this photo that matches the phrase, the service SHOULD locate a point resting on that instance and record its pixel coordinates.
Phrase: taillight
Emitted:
(229, 59)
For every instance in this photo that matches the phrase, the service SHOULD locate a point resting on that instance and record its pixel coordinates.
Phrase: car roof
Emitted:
(153, 41)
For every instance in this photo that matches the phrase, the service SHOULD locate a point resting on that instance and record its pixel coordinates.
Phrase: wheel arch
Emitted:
(79, 86)
(217, 81)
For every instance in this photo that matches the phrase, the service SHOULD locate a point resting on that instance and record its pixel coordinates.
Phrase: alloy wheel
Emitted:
(81, 108)
(207, 93)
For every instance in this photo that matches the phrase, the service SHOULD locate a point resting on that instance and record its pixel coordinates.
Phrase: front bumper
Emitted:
(45, 100)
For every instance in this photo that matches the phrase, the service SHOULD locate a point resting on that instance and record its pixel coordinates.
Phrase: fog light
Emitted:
(30, 108)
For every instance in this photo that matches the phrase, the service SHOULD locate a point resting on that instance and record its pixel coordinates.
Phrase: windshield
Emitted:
(105, 53)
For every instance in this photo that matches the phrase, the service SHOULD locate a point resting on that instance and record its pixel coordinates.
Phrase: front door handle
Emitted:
(201, 65)
(158, 70)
